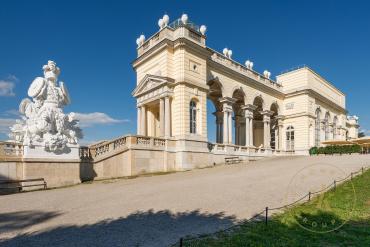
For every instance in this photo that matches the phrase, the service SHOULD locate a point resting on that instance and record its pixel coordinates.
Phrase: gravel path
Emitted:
(158, 210)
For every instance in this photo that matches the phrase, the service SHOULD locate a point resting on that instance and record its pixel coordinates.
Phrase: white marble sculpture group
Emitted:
(43, 122)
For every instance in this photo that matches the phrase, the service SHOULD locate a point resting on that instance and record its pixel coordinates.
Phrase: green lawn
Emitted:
(322, 214)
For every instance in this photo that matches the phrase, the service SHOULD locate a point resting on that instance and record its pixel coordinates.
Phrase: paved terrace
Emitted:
(157, 210)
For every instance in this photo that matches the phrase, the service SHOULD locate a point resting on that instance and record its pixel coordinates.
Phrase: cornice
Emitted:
(242, 79)
(315, 94)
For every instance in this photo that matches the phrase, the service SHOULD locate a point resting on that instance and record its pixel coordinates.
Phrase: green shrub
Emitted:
(336, 149)
(313, 151)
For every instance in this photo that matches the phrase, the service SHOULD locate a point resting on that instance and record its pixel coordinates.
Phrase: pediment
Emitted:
(151, 82)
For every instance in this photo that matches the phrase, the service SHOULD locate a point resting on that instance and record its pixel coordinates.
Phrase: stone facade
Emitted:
(177, 74)
(176, 70)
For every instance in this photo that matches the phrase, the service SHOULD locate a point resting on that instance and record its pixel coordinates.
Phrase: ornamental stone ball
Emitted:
(165, 19)
(229, 53)
(203, 29)
(160, 23)
(43, 122)
(184, 18)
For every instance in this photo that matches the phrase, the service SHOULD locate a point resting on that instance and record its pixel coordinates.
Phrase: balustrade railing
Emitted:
(102, 148)
(220, 58)
(106, 147)
(11, 149)
(159, 142)
(143, 141)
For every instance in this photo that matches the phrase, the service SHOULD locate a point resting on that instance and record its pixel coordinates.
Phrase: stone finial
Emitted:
(267, 74)
(140, 41)
(165, 19)
(203, 29)
(229, 53)
(249, 64)
(160, 23)
(184, 18)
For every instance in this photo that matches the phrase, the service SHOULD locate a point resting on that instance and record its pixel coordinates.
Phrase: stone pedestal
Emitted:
(39, 152)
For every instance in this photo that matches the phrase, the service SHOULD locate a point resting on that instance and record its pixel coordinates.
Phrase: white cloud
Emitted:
(5, 123)
(6, 88)
(12, 112)
(97, 118)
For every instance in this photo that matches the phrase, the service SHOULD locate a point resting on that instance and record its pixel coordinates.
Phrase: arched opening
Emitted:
(214, 112)
(290, 138)
(239, 118)
(326, 126)
(193, 117)
(317, 128)
(274, 126)
(258, 122)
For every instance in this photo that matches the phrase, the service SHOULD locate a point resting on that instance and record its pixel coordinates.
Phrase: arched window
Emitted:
(317, 128)
(290, 138)
(335, 122)
(327, 126)
(193, 117)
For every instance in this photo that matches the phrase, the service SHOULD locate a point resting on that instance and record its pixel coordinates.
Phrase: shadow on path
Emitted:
(148, 228)
(21, 220)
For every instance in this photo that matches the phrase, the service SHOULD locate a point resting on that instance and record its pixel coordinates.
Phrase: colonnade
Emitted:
(245, 126)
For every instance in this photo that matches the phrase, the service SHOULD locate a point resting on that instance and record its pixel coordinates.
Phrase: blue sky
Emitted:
(93, 42)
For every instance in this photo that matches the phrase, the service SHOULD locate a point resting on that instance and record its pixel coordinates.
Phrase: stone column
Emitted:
(251, 132)
(266, 131)
(248, 128)
(161, 116)
(138, 124)
(266, 128)
(248, 113)
(229, 125)
(247, 131)
(167, 113)
(279, 135)
(237, 130)
(143, 120)
(219, 126)
(225, 133)
(227, 111)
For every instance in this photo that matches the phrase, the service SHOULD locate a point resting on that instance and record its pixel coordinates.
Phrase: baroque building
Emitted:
(177, 73)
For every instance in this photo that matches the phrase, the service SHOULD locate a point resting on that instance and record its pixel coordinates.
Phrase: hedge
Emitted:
(336, 149)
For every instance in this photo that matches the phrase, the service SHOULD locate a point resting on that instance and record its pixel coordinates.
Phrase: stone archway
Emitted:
(258, 132)
(215, 95)
(239, 117)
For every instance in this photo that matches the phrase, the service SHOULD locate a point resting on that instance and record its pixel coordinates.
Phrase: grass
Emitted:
(343, 210)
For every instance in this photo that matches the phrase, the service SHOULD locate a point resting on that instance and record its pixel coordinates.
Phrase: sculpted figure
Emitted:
(43, 121)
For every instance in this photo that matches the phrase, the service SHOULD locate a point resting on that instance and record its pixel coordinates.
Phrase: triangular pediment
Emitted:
(151, 82)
